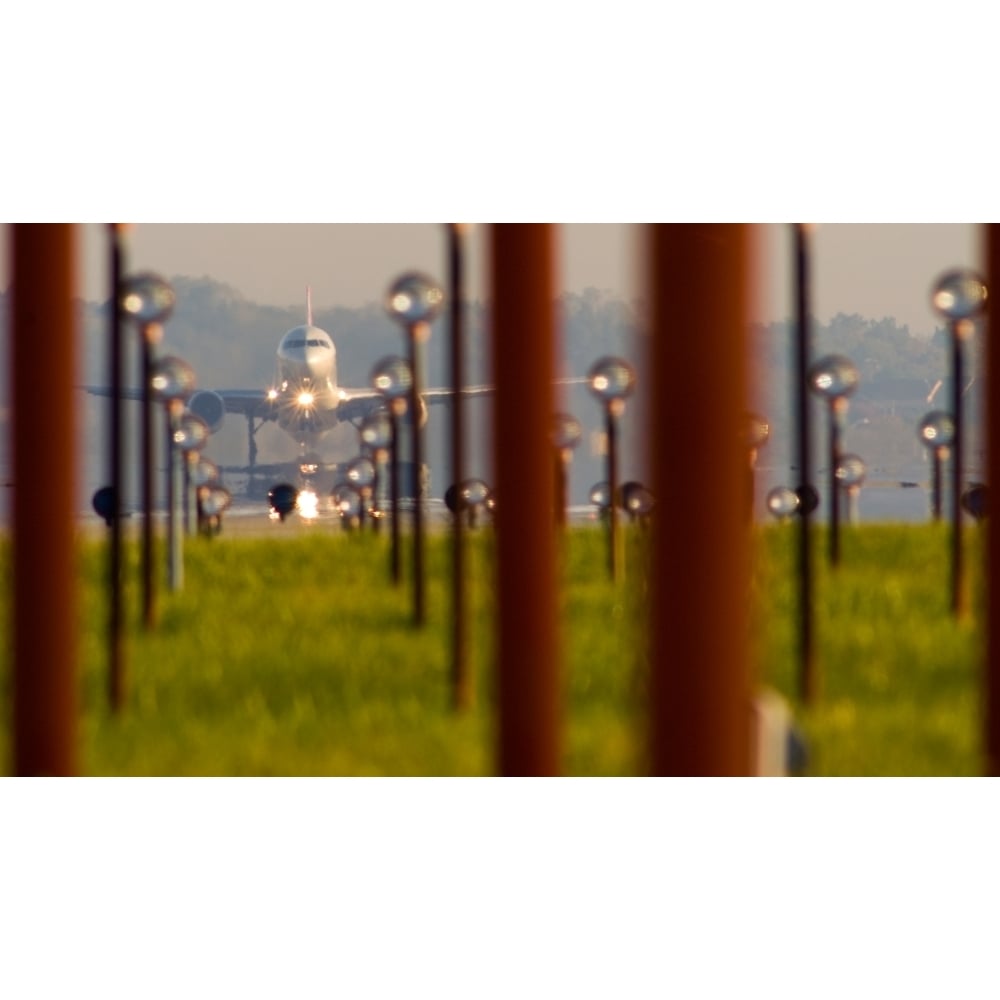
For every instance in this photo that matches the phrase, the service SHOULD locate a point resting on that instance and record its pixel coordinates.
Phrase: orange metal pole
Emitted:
(44, 556)
(522, 273)
(992, 672)
(700, 683)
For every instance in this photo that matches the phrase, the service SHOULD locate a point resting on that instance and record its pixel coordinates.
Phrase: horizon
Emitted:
(869, 269)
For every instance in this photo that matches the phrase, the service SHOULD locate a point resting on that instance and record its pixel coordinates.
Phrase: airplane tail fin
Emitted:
(309, 305)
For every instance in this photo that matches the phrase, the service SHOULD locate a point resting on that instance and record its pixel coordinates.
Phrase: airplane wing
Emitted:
(245, 401)
(252, 402)
(356, 404)
(435, 396)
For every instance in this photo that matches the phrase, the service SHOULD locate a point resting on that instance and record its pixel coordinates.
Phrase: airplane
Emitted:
(305, 400)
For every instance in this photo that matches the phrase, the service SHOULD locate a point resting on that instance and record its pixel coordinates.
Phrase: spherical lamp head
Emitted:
(833, 377)
(611, 379)
(173, 379)
(147, 298)
(959, 294)
(414, 298)
(393, 378)
(937, 430)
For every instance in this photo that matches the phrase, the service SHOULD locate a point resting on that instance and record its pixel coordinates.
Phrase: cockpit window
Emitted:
(312, 342)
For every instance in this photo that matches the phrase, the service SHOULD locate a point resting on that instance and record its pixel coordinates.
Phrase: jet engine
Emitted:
(209, 406)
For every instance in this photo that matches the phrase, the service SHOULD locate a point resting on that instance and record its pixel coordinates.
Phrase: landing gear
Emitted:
(252, 449)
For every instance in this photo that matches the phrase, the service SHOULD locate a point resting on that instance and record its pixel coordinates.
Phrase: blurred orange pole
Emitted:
(522, 281)
(992, 672)
(700, 683)
(43, 443)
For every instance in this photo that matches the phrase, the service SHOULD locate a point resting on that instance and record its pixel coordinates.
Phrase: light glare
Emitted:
(307, 504)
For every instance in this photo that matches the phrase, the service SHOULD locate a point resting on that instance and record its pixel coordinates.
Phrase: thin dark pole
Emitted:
(116, 447)
(611, 427)
(378, 489)
(958, 602)
(561, 474)
(936, 485)
(836, 419)
(992, 665)
(808, 686)
(187, 495)
(462, 692)
(149, 335)
(522, 273)
(394, 489)
(44, 620)
(418, 332)
(175, 565)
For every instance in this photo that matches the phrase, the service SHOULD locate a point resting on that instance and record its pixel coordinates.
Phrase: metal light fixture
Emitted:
(393, 378)
(413, 300)
(834, 378)
(172, 383)
(376, 437)
(782, 502)
(149, 301)
(850, 474)
(566, 434)
(612, 381)
(937, 433)
(959, 297)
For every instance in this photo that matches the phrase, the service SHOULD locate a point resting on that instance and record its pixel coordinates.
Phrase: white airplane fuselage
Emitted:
(306, 394)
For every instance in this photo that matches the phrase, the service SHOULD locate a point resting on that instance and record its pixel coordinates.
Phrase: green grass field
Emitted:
(295, 656)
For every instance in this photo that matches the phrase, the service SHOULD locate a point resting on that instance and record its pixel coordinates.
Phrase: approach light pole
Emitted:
(190, 436)
(937, 433)
(392, 377)
(804, 490)
(413, 300)
(612, 381)
(461, 674)
(116, 352)
(850, 475)
(172, 383)
(959, 297)
(566, 434)
(361, 475)
(376, 437)
(149, 301)
(834, 378)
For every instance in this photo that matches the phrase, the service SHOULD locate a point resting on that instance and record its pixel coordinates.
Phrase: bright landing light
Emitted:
(307, 504)
(306, 399)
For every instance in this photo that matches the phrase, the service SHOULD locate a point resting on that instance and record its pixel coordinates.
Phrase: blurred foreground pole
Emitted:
(461, 675)
(700, 683)
(44, 556)
(522, 281)
(803, 437)
(992, 692)
(116, 649)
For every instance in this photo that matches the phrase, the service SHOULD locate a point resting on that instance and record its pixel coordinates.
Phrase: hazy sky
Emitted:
(875, 270)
